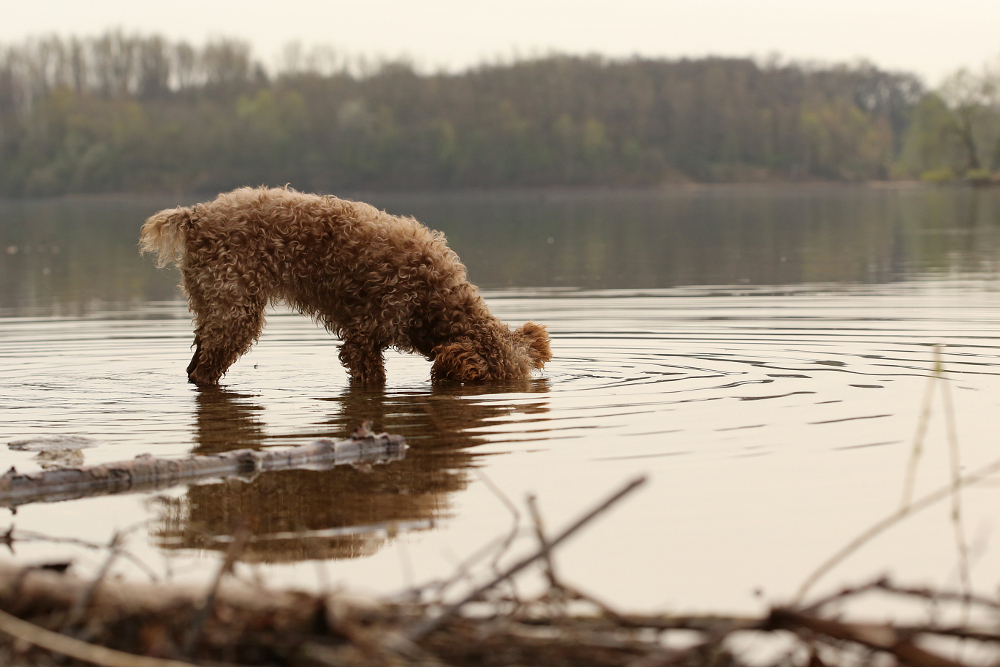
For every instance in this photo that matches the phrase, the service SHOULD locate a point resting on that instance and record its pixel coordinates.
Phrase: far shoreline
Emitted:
(542, 192)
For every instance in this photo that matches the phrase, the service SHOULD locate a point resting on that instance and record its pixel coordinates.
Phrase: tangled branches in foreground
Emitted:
(247, 627)
(48, 612)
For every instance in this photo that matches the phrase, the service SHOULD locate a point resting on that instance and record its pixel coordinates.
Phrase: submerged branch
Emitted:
(150, 473)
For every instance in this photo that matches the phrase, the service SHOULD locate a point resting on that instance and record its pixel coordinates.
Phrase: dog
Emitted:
(375, 280)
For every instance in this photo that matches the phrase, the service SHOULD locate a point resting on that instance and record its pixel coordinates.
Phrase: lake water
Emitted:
(761, 354)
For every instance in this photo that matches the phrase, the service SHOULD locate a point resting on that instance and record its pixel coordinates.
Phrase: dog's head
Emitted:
(494, 355)
(459, 360)
(533, 341)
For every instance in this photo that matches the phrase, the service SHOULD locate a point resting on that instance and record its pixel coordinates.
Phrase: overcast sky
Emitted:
(929, 37)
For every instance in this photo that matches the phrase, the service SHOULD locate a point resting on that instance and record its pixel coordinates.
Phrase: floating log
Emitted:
(149, 473)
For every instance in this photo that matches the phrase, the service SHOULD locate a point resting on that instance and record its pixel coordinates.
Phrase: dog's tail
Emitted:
(163, 234)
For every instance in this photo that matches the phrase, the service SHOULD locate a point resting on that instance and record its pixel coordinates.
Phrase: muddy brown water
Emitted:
(761, 354)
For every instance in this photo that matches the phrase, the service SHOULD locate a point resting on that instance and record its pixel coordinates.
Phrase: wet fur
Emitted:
(375, 280)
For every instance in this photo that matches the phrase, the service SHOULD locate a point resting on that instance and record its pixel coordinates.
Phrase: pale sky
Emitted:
(928, 37)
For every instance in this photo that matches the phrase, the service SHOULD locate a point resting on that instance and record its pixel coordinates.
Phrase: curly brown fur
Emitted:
(375, 280)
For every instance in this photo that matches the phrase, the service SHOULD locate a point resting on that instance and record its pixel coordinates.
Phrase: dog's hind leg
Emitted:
(363, 358)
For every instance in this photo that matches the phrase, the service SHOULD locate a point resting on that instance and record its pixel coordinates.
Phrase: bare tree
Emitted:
(972, 99)
(154, 67)
(115, 59)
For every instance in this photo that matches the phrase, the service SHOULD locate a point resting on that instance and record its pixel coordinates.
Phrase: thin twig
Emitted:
(884, 585)
(536, 517)
(234, 552)
(12, 536)
(462, 571)
(587, 597)
(982, 634)
(956, 476)
(880, 526)
(918, 440)
(429, 625)
(511, 507)
(83, 602)
(880, 637)
(660, 622)
(953, 451)
(843, 594)
(405, 562)
(495, 547)
(937, 595)
(322, 575)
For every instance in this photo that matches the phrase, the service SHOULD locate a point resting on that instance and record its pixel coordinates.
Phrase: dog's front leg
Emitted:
(223, 338)
(194, 359)
(364, 362)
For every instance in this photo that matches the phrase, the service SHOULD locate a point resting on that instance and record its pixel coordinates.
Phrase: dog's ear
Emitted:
(458, 361)
(536, 338)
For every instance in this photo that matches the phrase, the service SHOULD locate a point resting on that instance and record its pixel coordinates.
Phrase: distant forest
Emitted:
(121, 113)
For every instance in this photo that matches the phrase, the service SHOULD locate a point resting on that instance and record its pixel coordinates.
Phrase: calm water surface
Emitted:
(761, 354)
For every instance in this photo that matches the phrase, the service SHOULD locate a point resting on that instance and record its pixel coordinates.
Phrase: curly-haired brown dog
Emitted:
(374, 280)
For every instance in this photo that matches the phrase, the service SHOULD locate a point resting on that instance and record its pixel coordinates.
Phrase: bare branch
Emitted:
(431, 624)
(74, 648)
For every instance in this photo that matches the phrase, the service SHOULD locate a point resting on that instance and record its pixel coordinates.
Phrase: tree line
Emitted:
(126, 113)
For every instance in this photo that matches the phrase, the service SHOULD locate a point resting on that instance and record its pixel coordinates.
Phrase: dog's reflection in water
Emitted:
(284, 510)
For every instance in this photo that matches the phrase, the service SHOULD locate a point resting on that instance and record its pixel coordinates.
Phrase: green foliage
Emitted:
(122, 113)
(841, 141)
(939, 175)
(978, 175)
(931, 145)
(956, 129)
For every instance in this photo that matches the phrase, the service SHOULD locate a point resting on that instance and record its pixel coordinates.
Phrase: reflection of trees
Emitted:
(954, 230)
(719, 236)
(68, 256)
(724, 236)
(436, 424)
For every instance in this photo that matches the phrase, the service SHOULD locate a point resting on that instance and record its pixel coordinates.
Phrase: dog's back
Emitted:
(288, 226)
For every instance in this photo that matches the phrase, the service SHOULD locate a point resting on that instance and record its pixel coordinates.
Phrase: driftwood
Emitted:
(149, 473)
